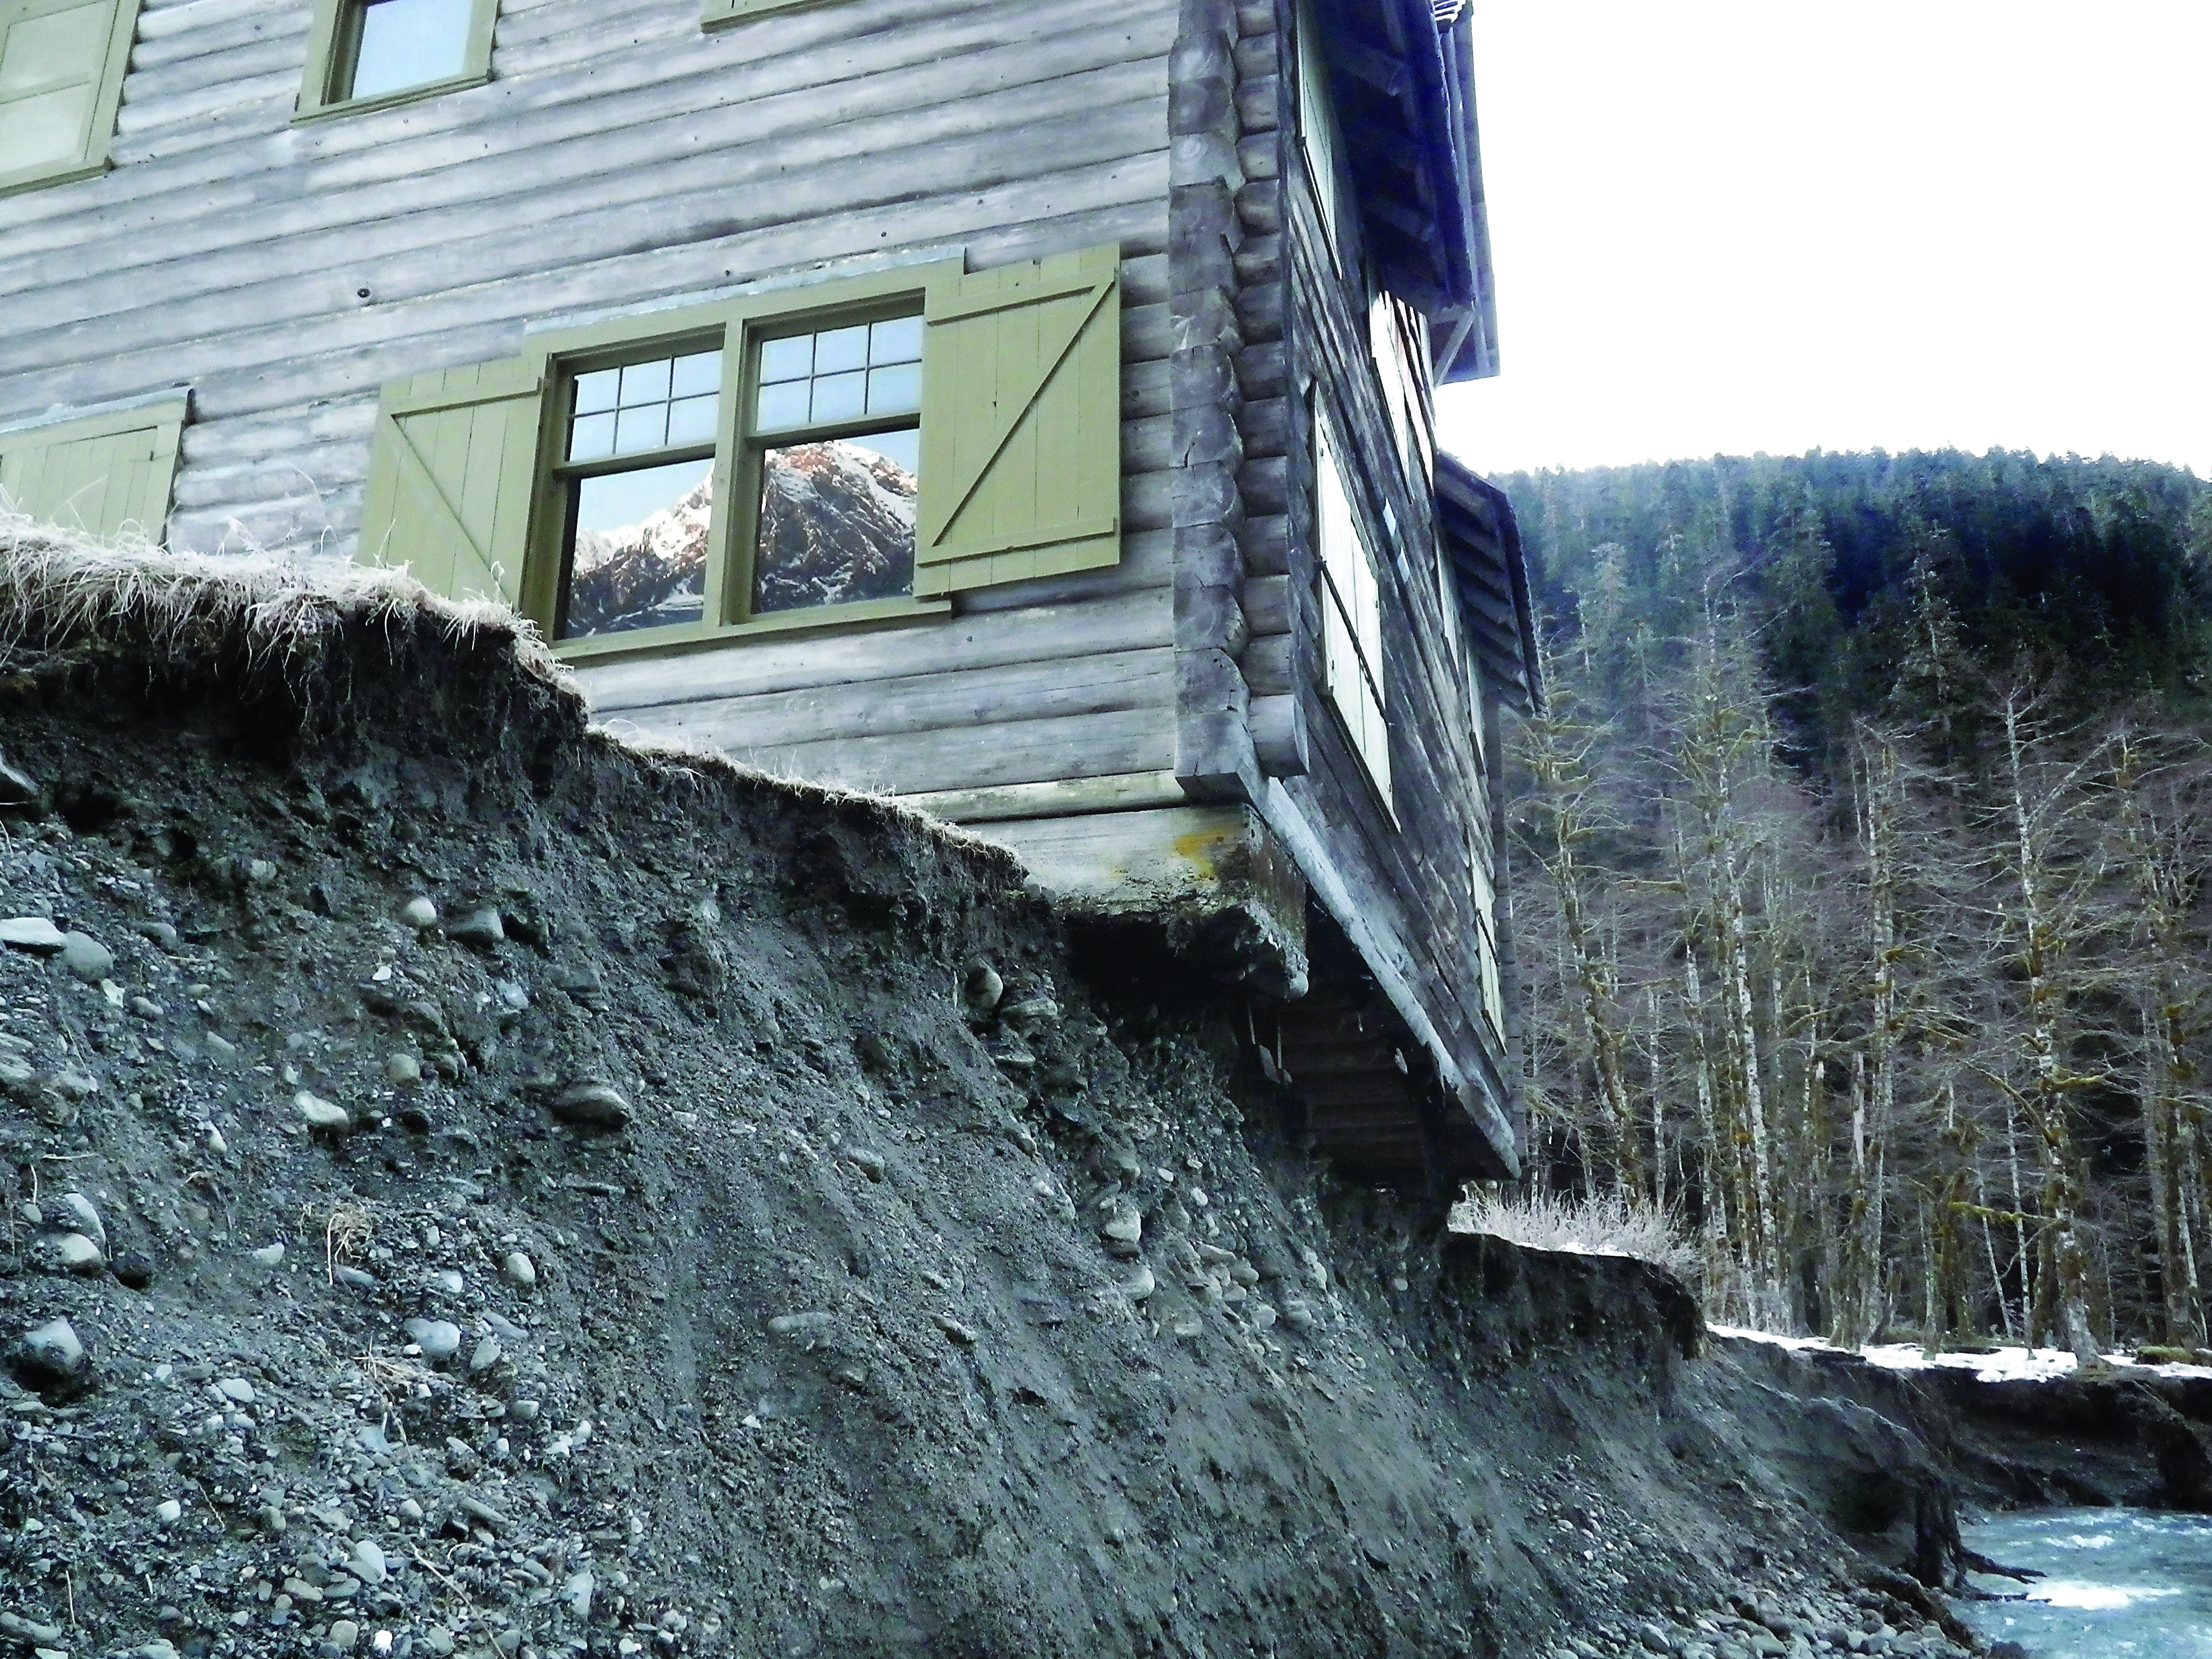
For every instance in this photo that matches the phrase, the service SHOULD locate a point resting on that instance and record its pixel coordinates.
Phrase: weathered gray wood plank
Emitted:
(961, 699)
(1024, 751)
(1126, 623)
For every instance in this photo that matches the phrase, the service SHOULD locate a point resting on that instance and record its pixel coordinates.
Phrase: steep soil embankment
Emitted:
(517, 1195)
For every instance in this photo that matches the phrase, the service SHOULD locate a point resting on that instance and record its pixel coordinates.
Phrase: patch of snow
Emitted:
(2002, 1365)
(1793, 1342)
(2005, 1365)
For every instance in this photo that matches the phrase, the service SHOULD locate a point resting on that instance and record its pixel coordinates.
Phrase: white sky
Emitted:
(1726, 227)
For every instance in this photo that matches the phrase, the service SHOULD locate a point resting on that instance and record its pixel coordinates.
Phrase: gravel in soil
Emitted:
(473, 1187)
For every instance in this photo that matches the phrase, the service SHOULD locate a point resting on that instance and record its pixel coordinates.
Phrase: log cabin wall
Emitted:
(1407, 869)
(285, 270)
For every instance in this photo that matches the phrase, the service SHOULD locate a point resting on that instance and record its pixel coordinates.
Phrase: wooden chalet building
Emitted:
(1021, 407)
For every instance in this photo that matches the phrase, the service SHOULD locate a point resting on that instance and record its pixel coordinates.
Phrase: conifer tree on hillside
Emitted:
(1874, 956)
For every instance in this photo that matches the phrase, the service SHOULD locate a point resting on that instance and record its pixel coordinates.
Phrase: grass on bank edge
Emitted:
(1606, 1224)
(58, 584)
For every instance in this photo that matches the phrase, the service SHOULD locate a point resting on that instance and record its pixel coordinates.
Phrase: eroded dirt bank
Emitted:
(731, 1226)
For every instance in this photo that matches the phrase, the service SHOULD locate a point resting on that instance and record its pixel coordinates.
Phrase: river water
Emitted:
(2119, 1581)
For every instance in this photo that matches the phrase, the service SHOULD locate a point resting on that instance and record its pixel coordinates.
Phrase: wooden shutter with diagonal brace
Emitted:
(62, 63)
(1021, 430)
(452, 476)
(103, 473)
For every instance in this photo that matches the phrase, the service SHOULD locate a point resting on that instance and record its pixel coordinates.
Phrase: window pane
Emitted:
(896, 341)
(645, 383)
(782, 406)
(595, 390)
(840, 397)
(692, 420)
(700, 372)
(839, 349)
(837, 522)
(50, 127)
(591, 437)
(896, 389)
(62, 46)
(641, 429)
(406, 43)
(638, 552)
(787, 360)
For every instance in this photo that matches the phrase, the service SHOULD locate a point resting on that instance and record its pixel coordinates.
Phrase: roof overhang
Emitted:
(1402, 76)
(1483, 541)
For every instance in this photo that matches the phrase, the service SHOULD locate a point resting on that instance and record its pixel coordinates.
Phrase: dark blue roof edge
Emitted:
(1454, 478)
(1467, 348)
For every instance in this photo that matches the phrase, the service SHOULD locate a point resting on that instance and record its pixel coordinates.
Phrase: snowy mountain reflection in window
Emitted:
(641, 548)
(837, 521)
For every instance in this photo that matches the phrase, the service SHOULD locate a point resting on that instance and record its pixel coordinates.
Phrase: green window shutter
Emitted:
(61, 77)
(1021, 425)
(452, 474)
(104, 474)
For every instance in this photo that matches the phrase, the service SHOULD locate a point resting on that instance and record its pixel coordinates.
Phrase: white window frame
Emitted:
(1351, 597)
(1484, 895)
(1317, 134)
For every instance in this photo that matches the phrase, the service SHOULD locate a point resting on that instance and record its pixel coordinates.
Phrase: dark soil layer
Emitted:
(800, 1259)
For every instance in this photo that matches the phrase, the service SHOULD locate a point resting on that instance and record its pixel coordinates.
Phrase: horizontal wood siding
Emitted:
(286, 270)
(1407, 865)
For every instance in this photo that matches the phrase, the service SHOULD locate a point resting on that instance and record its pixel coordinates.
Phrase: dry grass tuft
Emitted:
(58, 586)
(1611, 1224)
(347, 1232)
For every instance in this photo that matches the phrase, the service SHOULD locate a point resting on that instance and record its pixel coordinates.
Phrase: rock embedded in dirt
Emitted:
(805, 1328)
(72, 1252)
(439, 1340)
(402, 1070)
(52, 1358)
(869, 1163)
(36, 933)
(592, 1104)
(521, 1269)
(980, 988)
(323, 1117)
(82, 1215)
(1123, 1228)
(367, 1562)
(86, 957)
(481, 928)
(419, 913)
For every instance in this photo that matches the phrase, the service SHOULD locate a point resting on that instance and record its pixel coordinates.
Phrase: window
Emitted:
(1318, 132)
(1486, 930)
(848, 451)
(1351, 615)
(61, 77)
(836, 428)
(826, 481)
(365, 54)
(1394, 335)
(637, 487)
(105, 473)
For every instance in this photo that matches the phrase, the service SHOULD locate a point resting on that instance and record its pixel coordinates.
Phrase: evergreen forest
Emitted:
(1864, 885)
